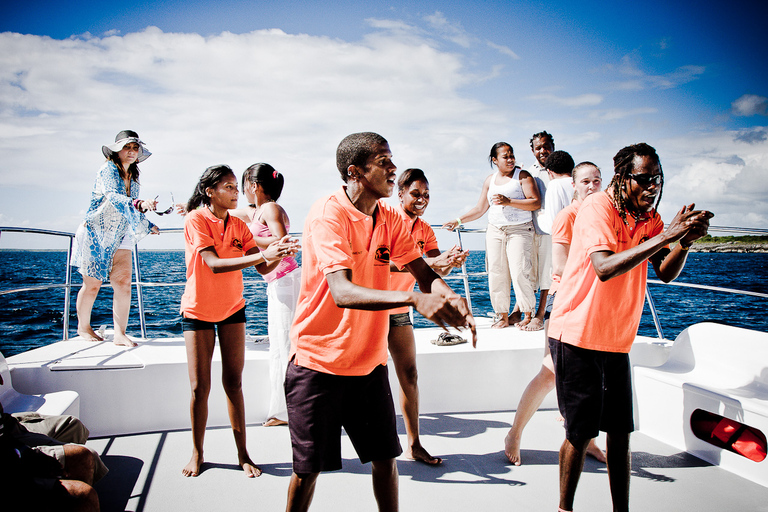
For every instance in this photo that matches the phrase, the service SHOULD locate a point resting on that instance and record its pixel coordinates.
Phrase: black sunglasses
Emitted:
(170, 208)
(646, 179)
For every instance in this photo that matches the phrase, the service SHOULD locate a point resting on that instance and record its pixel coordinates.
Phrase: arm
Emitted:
(477, 211)
(532, 201)
(443, 307)
(559, 257)
(275, 218)
(265, 261)
(444, 262)
(688, 225)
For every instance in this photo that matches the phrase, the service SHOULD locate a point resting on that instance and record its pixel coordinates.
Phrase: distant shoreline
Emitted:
(725, 247)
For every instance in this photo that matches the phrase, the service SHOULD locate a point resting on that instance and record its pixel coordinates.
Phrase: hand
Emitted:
(446, 311)
(149, 206)
(282, 248)
(458, 257)
(451, 225)
(689, 224)
(155, 230)
(499, 199)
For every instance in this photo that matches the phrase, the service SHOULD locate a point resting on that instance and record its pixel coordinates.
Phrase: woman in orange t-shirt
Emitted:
(413, 191)
(217, 247)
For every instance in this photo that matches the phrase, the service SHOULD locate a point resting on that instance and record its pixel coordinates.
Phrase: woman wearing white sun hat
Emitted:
(113, 223)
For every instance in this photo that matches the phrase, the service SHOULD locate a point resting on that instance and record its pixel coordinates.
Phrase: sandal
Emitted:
(446, 338)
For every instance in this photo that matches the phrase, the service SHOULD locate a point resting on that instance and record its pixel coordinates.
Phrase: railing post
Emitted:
(654, 314)
(465, 276)
(67, 288)
(139, 291)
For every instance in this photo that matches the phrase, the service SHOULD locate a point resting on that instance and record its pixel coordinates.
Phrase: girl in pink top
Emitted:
(218, 246)
(267, 220)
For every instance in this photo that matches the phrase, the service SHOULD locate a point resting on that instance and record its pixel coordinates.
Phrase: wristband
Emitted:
(458, 219)
(684, 248)
(137, 205)
(265, 258)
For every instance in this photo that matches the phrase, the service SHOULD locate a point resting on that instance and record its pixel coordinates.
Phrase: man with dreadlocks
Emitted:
(598, 307)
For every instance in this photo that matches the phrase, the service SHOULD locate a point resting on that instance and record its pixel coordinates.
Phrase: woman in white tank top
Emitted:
(509, 196)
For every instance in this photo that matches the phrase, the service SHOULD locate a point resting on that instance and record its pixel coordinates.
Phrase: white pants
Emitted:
(508, 250)
(282, 295)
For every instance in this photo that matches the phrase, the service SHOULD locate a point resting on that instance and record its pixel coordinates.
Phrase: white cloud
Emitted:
(289, 99)
(504, 50)
(633, 78)
(582, 100)
(453, 31)
(750, 105)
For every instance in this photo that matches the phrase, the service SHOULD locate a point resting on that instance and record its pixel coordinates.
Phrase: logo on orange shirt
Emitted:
(237, 243)
(382, 254)
(420, 243)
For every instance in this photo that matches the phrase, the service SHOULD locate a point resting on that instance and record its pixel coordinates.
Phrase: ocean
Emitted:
(31, 319)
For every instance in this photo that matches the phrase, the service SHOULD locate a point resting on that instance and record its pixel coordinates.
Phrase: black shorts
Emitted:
(319, 404)
(594, 391)
(193, 324)
(399, 320)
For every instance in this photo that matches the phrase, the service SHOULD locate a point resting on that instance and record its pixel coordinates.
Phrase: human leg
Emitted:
(199, 346)
(84, 495)
(282, 295)
(120, 277)
(79, 463)
(541, 266)
(301, 489)
(232, 346)
(518, 260)
(530, 401)
(498, 274)
(385, 485)
(571, 464)
(619, 466)
(402, 347)
(86, 297)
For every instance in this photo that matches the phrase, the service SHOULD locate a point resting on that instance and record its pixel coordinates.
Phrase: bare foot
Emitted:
(251, 469)
(273, 422)
(193, 466)
(123, 340)
(88, 334)
(536, 324)
(522, 323)
(419, 454)
(500, 324)
(512, 448)
(515, 317)
(594, 451)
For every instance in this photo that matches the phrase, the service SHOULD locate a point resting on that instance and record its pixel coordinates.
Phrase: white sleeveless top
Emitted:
(507, 215)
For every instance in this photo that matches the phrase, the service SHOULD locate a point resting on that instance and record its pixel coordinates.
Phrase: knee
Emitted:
(410, 374)
(200, 389)
(121, 284)
(233, 384)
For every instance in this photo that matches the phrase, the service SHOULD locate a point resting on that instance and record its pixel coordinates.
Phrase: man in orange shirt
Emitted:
(598, 307)
(338, 375)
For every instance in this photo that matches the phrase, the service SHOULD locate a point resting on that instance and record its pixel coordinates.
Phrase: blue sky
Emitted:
(241, 82)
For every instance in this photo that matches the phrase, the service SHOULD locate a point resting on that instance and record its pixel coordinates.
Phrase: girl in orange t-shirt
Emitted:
(217, 247)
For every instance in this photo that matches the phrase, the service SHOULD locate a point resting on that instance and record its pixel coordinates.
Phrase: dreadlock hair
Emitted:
(542, 135)
(623, 166)
(355, 149)
(210, 178)
(495, 151)
(409, 176)
(270, 180)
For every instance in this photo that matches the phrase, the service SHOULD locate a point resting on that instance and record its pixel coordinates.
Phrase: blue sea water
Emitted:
(32, 319)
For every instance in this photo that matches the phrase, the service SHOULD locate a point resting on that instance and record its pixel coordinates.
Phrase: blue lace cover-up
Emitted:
(110, 217)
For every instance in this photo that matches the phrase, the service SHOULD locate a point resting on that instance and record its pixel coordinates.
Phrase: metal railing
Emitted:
(463, 275)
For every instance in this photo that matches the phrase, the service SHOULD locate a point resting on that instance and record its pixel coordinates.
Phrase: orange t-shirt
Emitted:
(562, 233)
(325, 337)
(207, 296)
(590, 313)
(425, 239)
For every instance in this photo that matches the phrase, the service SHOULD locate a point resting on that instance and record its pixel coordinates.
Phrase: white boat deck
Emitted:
(475, 475)
(135, 401)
